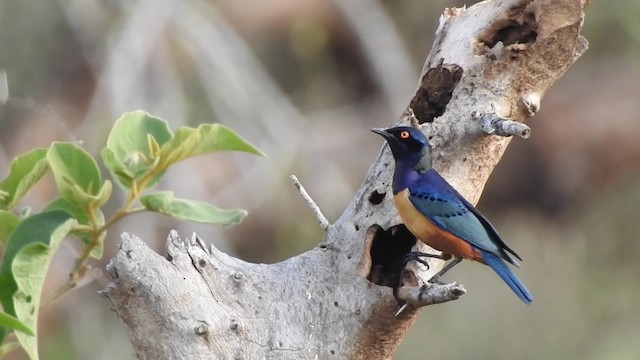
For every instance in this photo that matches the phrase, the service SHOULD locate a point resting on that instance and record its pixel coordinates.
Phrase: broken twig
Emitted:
(324, 223)
(494, 124)
(429, 294)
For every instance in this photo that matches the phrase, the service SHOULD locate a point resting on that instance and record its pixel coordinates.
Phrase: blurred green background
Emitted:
(304, 81)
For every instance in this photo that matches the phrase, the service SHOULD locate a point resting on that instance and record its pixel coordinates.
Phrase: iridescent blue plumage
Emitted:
(438, 215)
(434, 197)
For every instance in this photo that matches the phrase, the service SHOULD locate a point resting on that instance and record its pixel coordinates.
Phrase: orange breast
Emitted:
(429, 233)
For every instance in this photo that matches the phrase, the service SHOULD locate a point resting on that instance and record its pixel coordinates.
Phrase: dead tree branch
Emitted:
(335, 301)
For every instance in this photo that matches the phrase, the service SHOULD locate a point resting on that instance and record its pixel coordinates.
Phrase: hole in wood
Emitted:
(515, 33)
(520, 27)
(435, 91)
(387, 252)
(376, 197)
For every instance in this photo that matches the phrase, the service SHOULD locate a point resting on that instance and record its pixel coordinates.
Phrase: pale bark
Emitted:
(496, 59)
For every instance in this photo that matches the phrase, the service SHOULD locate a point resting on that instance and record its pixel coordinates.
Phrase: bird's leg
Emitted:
(417, 256)
(449, 266)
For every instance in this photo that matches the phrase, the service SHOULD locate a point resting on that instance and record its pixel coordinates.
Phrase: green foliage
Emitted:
(26, 171)
(207, 138)
(76, 173)
(139, 150)
(8, 222)
(85, 232)
(24, 265)
(9, 321)
(163, 202)
(131, 150)
(141, 147)
(28, 255)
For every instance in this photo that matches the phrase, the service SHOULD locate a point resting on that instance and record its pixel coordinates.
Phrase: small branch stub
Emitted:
(202, 328)
(494, 124)
(430, 294)
(324, 223)
(532, 103)
(411, 116)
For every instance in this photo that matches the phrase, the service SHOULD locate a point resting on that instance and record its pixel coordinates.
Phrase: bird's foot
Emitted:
(434, 280)
(417, 256)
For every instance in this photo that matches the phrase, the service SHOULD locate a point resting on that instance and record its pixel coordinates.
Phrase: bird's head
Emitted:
(408, 145)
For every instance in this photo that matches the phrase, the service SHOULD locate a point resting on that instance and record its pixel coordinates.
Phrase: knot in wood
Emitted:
(202, 328)
(234, 325)
(531, 102)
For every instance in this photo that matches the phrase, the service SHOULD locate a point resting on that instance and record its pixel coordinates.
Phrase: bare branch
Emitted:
(324, 223)
(430, 294)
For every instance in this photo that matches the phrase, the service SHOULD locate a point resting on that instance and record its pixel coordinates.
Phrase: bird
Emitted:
(439, 216)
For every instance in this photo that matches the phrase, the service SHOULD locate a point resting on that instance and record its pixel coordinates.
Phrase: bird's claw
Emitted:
(417, 256)
(400, 308)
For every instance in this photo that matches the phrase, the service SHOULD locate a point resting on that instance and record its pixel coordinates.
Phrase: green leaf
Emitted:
(103, 195)
(9, 321)
(8, 222)
(76, 173)
(154, 147)
(164, 202)
(129, 151)
(26, 170)
(37, 228)
(116, 168)
(26, 260)
(207, 138)
(82, 217)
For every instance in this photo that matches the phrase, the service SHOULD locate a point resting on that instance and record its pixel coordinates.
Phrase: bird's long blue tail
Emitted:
(502, 269)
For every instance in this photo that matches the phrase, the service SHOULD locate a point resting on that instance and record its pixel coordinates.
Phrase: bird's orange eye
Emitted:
(404, 134)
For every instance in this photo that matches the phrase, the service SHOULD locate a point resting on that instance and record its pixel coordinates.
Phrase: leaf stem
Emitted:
(80, 269)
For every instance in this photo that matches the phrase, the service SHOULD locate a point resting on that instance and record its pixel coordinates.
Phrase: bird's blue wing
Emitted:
(445, 207)
(508, 253)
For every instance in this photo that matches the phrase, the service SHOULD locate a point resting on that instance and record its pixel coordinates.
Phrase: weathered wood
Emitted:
(496, 57)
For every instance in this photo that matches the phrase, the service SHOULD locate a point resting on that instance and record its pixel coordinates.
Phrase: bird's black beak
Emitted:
(393, 142)
(382, 132)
